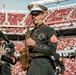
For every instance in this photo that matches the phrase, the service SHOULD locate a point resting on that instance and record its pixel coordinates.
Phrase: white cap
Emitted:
(37, 7)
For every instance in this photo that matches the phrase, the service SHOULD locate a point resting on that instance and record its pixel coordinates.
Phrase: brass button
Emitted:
(44, 60)
(35, 34)
(33, 37)
(45, 47)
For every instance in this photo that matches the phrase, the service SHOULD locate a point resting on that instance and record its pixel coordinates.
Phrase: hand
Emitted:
(13, 59)
(3, 52)
(30, 42)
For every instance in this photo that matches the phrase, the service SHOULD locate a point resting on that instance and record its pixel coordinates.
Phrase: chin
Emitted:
(35, 23)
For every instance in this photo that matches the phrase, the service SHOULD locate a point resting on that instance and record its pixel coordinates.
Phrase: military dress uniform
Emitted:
(5, 67)
(8, 47)
(45, 47)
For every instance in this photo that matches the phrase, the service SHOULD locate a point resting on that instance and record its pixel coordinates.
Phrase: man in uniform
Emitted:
(42, 43)
(6, 55)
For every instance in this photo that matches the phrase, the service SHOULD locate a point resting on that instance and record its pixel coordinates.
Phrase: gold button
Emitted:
(45, 47)
(44, 60)
(35, 34)
(33, 37)
(40, 46)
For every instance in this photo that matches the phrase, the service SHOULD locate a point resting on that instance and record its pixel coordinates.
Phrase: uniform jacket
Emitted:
(5, 67)
(42, 35)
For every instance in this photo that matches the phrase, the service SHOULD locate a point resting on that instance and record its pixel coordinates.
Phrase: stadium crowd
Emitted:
(55, 18)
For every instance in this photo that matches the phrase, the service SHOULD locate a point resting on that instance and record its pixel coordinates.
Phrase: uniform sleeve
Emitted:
(10, 49)
(61, 64)
(10, 55)
(50, 46)
(8, 59)
(11, 52)
(57, 56)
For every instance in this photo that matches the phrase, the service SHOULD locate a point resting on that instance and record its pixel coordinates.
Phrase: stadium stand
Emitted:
(63, 20)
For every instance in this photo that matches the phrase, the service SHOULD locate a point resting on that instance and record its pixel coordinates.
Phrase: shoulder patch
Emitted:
(53, 38)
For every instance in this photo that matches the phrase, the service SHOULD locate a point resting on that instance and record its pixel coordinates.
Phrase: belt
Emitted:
(38, 55)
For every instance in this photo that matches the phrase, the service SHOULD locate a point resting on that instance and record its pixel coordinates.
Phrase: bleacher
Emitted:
(64, 18)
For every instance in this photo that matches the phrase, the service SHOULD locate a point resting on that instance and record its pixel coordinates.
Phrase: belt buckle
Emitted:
(32, 55)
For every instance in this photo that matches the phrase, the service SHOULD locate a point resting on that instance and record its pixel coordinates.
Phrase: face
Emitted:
(37, 18)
